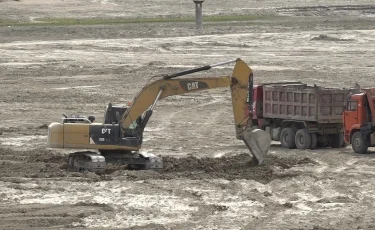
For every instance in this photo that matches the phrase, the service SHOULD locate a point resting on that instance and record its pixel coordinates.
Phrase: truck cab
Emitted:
(359, 120)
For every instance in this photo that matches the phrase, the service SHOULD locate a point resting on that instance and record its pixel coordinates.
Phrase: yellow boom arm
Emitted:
(240, 84)
(162, 88)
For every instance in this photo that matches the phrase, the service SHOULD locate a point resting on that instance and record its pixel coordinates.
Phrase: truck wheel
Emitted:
(314, 141)
(287, 138)
(359, 143)
(337, 140)
(303, 139)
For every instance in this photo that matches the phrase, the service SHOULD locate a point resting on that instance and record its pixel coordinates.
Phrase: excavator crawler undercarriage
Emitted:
(97, 162)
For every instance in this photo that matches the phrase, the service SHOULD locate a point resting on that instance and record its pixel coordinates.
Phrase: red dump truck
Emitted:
(359, 120)
(300, 116)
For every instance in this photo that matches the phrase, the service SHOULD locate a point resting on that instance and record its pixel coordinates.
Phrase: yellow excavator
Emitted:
(118, 138)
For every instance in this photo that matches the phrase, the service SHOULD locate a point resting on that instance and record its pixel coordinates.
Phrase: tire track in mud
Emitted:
(43, 216)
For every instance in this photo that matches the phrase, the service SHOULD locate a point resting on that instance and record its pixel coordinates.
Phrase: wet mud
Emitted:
(229, 168)
(208, 181)
(43, 163)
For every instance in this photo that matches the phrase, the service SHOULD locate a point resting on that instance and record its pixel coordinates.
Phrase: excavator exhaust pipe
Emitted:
(258, 142)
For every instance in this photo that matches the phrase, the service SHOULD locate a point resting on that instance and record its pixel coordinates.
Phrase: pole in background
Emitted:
(198, 13)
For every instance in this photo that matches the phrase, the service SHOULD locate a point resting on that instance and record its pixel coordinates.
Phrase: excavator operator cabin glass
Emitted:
(133, 125)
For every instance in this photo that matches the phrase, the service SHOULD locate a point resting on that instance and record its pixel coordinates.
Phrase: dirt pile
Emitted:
(43, 163)
(230, 168)
(36, 163)
(324, 37)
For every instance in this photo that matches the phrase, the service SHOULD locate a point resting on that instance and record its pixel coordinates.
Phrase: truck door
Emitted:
(350, 117)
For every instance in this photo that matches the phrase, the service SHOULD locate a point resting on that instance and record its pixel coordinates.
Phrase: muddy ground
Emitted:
(207, 182)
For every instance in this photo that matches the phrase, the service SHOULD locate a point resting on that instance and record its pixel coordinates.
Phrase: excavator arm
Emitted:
(146, 99)
(157, 90)
(240, 84)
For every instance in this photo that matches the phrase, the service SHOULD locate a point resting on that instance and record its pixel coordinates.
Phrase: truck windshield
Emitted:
(352, 106)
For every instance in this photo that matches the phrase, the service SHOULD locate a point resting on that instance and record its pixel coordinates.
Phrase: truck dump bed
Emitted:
(303, 102)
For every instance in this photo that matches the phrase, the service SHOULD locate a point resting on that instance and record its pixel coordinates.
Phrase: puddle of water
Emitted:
(156, 129)
(220, 154)
(21, 141)
(77, 87)
(21, 63)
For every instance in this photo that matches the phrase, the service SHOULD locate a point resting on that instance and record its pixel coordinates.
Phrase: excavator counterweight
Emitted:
(119, 138)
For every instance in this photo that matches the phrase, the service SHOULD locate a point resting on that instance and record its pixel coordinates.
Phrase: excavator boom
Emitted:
(241, 85)
(160, 89)
(122, 133)
(166, 87)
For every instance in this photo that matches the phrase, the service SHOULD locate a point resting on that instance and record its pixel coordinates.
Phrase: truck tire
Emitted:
(337, 140)
(303, 139)
(287, 138)
(359, 143)
(314, 141)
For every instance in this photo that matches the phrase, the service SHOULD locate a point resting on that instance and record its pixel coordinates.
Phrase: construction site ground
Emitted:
(47, 70)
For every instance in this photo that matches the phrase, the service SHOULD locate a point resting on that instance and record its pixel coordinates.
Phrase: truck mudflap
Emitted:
(258, 142)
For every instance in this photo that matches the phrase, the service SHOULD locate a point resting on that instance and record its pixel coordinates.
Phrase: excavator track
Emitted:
(86, 161)
(97, 163)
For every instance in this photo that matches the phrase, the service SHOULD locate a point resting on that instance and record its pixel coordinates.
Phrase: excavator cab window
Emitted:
(352, 106)
(134, 125)
(113, 113)
(133, 130)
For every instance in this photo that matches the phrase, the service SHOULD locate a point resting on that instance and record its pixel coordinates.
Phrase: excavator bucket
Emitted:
(258, 142)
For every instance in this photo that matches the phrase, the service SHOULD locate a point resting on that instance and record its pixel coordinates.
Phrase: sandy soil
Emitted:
(206, 183)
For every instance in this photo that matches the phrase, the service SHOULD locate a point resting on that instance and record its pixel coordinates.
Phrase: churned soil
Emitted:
(208, 181)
